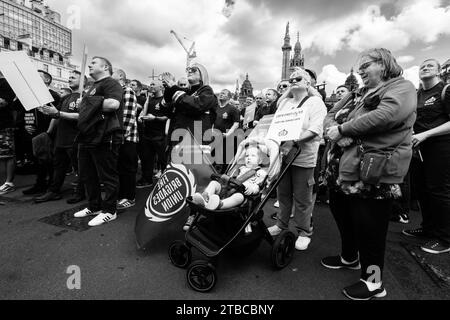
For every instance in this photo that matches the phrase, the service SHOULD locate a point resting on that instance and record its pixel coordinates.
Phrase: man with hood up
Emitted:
(196, 104)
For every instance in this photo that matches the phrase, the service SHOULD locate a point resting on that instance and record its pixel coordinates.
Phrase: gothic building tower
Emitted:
(286, 48)
(299, 59)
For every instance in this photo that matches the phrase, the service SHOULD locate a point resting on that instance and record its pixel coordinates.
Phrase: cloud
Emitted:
(405, 59)
(332, 77)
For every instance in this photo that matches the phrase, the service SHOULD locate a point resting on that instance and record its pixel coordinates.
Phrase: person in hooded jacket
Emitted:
(193, 106)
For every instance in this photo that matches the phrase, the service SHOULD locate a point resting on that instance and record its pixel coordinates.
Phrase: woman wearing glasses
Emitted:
(373, 123)
(295, 189)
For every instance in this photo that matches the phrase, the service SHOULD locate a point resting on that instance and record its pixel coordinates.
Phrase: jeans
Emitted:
(152, 148)
(363, 226)
(98, 164)
(63, 160)
(127, 167)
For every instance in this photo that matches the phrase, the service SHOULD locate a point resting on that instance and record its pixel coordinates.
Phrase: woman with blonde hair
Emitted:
(296, 188)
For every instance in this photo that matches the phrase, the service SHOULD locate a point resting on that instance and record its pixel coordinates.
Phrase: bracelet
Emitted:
(58, 115)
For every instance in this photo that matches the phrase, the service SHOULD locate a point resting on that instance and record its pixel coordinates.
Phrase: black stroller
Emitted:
(238, 230)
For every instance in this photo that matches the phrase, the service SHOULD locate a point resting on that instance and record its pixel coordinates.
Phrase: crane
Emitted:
(191, 54)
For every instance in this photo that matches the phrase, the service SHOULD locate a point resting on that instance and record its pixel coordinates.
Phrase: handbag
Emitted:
(373, 163)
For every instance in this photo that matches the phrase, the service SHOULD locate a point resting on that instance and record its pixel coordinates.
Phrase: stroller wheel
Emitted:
(283, 249)
(180, 254)
(201, 276)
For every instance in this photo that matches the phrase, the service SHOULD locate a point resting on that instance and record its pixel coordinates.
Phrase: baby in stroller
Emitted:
(224, 195)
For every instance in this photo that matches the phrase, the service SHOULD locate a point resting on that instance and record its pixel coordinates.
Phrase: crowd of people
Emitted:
(376, 151)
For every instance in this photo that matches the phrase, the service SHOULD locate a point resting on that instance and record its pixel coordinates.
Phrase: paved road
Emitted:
(34, 258)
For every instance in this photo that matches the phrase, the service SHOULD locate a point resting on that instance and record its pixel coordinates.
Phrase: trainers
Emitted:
(199, 199)
(401, 218)
(336, 262)
(418, 233)
(213, 202)
(188, 223)
(7, 187)
(435, 247)
(85, 213)
(125, 204)
(49, 196)
(274, 230)
(102, 218)
(361, 291)
(276, 204)
(302, 243)
(143, 184)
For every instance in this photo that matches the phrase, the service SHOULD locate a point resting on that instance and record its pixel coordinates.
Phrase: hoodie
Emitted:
(198, 104)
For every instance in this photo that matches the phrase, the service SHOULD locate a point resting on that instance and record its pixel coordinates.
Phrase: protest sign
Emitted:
(250, 113)
(286, 125)
(24, 79)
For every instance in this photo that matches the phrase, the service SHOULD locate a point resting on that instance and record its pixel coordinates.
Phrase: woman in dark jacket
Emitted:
(377, 118)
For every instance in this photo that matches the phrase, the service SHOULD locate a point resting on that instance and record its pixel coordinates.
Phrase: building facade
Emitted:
(31, 26)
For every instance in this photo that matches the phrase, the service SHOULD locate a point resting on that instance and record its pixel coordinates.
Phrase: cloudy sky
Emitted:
(247, 36)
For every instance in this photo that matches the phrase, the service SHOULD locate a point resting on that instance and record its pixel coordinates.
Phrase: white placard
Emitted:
(287, 125)
(250, 113)
(24, 79)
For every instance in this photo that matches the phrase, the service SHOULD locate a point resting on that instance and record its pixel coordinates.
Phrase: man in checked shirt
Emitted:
(128, 159)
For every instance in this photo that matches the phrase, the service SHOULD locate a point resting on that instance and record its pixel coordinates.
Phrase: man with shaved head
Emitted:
(99, 148)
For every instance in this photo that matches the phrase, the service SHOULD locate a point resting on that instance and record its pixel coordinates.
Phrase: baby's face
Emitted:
(252, 157)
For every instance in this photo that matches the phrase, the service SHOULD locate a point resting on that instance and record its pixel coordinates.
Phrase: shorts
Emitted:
(7, 146)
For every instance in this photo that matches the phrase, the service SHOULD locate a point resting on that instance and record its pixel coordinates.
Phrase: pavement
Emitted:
(36, 259)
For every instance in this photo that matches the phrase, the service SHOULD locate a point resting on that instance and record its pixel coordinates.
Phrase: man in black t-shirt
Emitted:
(430, 169)
(98, 160)
(65, 117)
(36, 123)
(227, 121)
(154, 118)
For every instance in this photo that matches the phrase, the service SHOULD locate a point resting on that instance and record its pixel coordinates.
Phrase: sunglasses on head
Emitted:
(297, 79)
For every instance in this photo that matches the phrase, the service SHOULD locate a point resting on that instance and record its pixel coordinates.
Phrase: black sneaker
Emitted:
(76, 199)
(418, 233)
(401, 218)
(336, 262)
(435, 247)
(34, 190)
(360, 291)
(49, 196)
(143, 184)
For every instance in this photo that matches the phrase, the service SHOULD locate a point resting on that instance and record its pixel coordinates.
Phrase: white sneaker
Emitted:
(102, 218)
(188, 223)
(7, 187)
(274, 230)
(302, 243)
(85, 213)
(276, 204)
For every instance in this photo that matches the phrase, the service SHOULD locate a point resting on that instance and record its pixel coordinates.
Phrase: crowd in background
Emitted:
(103, 132)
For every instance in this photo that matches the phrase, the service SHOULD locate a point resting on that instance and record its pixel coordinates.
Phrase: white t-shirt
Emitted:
(315, 112)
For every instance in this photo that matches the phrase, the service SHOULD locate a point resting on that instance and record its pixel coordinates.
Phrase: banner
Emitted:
(24, 79)
(165, 210)
(262, 128)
